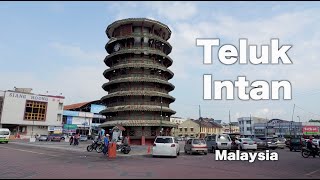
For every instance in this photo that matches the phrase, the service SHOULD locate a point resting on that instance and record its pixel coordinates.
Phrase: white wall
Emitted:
(80, 120)
(14, 108)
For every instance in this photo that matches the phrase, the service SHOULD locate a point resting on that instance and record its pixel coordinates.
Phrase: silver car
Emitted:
(196, 146)
(43, 138)
(83, 138)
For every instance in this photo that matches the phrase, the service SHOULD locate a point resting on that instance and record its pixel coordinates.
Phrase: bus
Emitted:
(4, 135)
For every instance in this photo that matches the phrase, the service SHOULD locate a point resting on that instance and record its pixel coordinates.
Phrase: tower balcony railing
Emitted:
(137, 75)
(139, 34)
(135, 60)
(137, 103)
(145, 48)
(138, 50)
(140, 88)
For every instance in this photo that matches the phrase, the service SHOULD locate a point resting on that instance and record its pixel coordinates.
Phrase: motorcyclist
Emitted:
(312, 146)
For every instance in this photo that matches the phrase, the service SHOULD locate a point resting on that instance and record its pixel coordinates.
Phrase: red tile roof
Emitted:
(75, 106)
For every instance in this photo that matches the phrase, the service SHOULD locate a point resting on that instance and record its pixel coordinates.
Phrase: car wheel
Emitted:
(290, 149)
(178, 153)
(185, 151)
(213, 150)
(205, 153)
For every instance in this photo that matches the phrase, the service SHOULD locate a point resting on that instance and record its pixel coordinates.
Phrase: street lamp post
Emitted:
(299, 126)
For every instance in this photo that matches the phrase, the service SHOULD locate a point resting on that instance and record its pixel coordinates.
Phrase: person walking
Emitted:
(106, 144)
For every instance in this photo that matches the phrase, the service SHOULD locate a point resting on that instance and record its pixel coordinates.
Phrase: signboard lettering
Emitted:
(32, 97)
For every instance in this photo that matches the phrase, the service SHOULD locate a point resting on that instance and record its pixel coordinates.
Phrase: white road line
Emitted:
(312, 172)
(32, 152)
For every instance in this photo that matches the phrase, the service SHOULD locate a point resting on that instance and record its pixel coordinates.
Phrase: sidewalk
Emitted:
(82, 147)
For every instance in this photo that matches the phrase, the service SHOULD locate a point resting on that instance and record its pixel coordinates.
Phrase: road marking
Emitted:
(312, 172)
(32, 152)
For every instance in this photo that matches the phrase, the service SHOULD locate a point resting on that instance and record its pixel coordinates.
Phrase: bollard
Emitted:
(149, 149)
(112, 150)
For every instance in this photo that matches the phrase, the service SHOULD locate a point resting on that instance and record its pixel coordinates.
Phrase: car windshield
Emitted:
(223, 138)
(257, 140)
(4, 132)
(295, 140)
(83, 136)
(246, 139)
(198, 141)
(164, 140)
(43, 136)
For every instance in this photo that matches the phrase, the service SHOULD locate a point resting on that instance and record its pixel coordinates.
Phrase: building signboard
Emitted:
(310, 130)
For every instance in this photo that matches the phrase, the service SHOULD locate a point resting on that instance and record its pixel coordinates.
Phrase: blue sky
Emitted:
(59, 47)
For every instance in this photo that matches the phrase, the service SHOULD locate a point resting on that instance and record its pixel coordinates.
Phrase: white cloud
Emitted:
(174, 10)
(77, 52)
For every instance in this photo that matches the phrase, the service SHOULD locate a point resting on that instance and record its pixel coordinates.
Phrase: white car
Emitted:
(165, 146)
(247, 143)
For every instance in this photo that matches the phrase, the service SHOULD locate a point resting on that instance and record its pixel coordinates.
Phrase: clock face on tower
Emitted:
(116, 47)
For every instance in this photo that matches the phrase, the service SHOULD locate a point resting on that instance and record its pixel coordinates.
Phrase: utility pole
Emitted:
(200, 121)
(161, 117)
(294, 105)
(299, 126)
(250, 126)
(229, 123)
(267, 127)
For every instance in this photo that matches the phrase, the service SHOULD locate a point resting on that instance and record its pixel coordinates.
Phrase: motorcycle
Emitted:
(305, 152)
(94, 146)
(125, 149)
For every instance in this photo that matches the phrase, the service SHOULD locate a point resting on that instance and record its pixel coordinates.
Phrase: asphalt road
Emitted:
(32, 161)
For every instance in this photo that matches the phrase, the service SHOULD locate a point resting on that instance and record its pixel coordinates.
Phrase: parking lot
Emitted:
(60, 160)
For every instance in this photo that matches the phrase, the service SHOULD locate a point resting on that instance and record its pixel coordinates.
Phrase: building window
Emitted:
(185, 129)
(248, 128)
(248, 122)
(59, 117)
(131, 132)
(35, 110)
(180, 129)
(191, 129)
(60, 106)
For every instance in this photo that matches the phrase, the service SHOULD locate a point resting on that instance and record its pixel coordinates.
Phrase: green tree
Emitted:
(313, 120)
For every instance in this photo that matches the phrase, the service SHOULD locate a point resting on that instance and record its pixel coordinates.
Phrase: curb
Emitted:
(77, 150)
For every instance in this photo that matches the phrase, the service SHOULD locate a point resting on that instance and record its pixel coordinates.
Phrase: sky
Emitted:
(59, 47)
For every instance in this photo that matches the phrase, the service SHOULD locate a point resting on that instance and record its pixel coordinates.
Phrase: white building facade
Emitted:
(26, 114)
(246, 125)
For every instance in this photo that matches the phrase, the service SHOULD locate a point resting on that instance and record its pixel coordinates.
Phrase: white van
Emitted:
(218, 141)
(4, 135)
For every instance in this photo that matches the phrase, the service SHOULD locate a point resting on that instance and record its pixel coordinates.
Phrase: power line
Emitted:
(307, 111)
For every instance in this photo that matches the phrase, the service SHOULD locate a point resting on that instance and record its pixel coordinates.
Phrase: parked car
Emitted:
(271, 144)
(165, 146)
(218, 141)
(43, 138)
(247, 144)
(83, 138)
(260, 143)
(54, 137)
(316, 141)
(196, 146)
(281, 142)
(296, 144)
